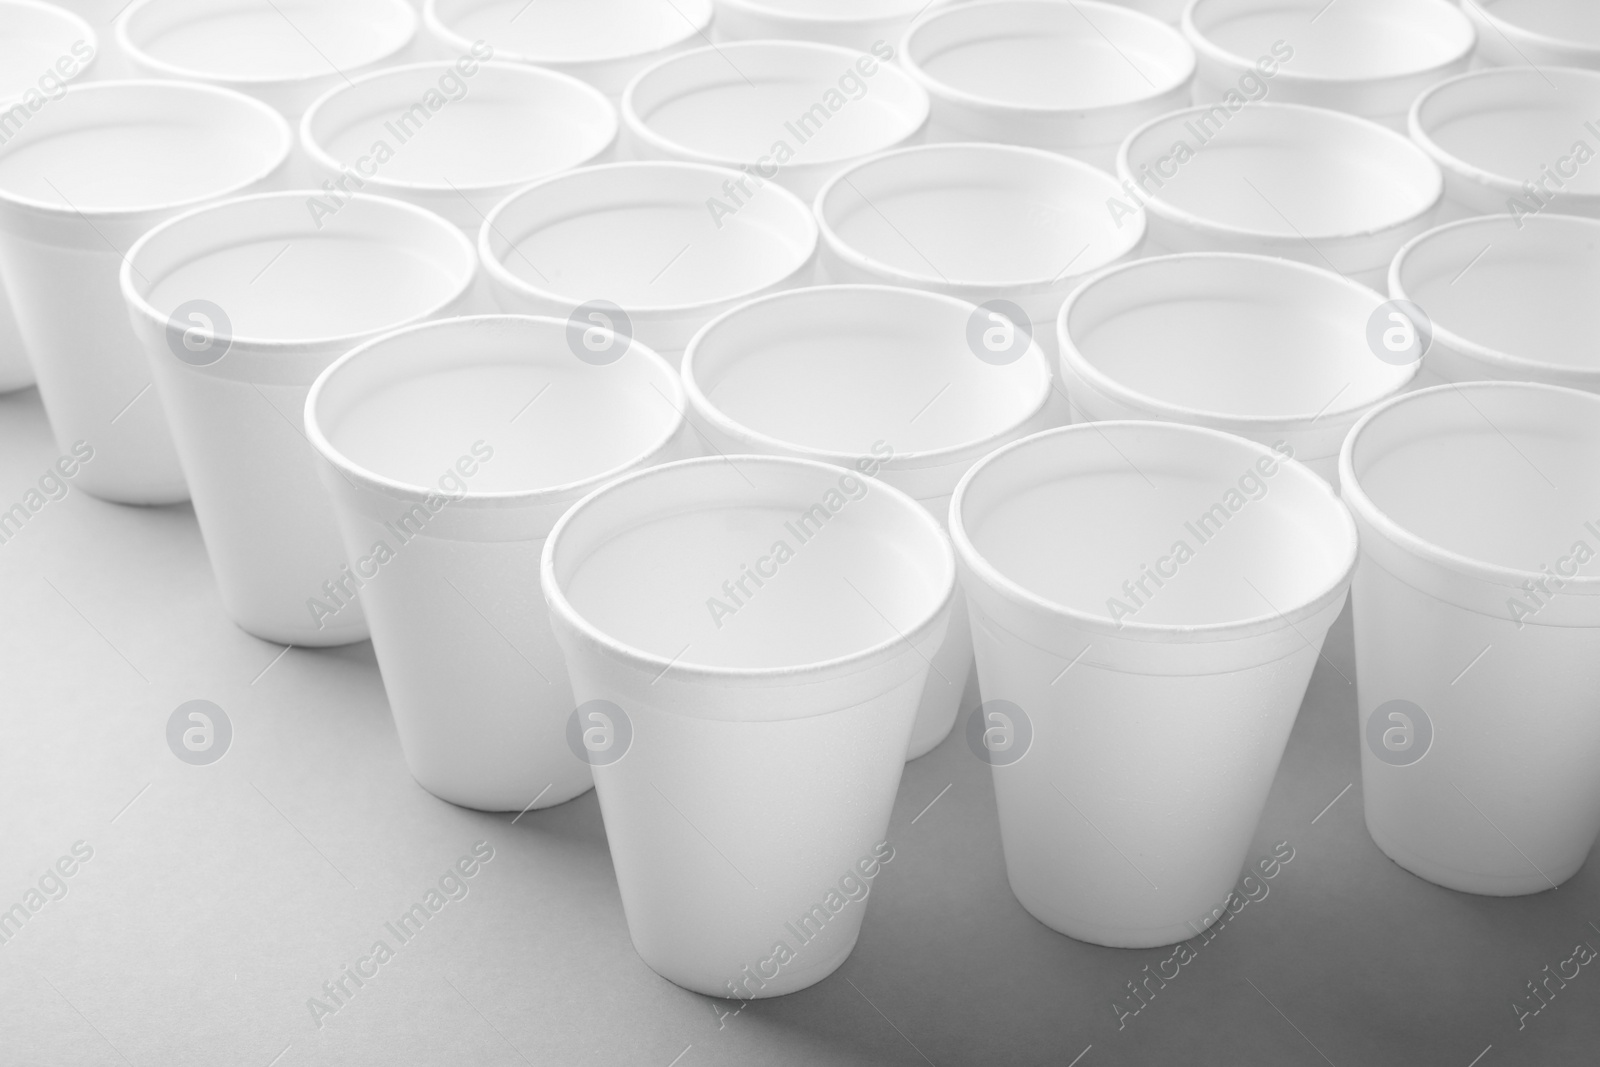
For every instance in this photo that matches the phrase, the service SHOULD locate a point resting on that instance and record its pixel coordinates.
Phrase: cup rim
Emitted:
(445, 34)
(703, 406)
(859, 260)
(318, 154)
(1156, 205)
(1483, 353)
(1367, 510)
(86, 33)
(495, 267)
(1221, 56)
(233, 96)
(1508, 30)
(1072, 355)
(168, 69)
(805, 18)
(139, 304)
(1016, 594)
(371, 480)
(1130, 15)
(850, 663)
(637, 127)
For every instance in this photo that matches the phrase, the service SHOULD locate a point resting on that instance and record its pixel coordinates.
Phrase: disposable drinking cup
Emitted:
(1074, 78)
(857, 24)
(239, 306)
(1265, 348)
(285, 53)
(1538, 33)
(1514, 141)
(79, 184)
(449, 450)
(793, 112)
(1507, 299)
(42, 47)
(982, 222)
(746, 762)
(455, 137)
(648, 250)
(1477, 631)
(1303, 183)
(604, 42)
(894, 383)
(1366, 57)
(1148, 601)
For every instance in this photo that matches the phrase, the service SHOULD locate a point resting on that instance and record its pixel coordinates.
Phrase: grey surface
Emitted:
(220, 898)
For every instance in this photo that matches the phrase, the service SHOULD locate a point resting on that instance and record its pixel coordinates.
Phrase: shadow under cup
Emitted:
(450, 449)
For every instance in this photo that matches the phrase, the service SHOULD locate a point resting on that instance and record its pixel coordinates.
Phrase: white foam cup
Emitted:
(893, 383)
(449, 449)
(981, 222)
(651, 250)
(793, 112)
(239, 306)
(1514, 141)
(1148, 601)
(42, 48)
(1073, 78)
(857, 24)
(1304, 183)
(604, 42)
(1269, 349)
(1366, 57)
(1539, 33)
(81, 182)
(1507, 299)
(1477, 631)
(746, 762)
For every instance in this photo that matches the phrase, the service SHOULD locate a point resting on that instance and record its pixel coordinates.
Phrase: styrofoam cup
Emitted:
(746, 762)
(982, 222)
(857, 24)
(894, 383)
(793, 112)
(1265, 348)
(42, 48)
(285, 53)
(1366, 57)
(1138, 695)
(83, 180)
(239, 306)
(1507, 299)
(652, 250)
(1477, 631)
(1304, 183)
(1540, 33)
(1074, 78)
(604, 42)
(449, 450)
(1508, 139)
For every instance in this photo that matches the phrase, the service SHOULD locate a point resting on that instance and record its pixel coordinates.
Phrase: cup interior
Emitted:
(1237, 336)
(836, 10)
(1348, 41)
(282, 276)
(138, 146)
(844, 372)
(1042, 54)
(752, 563)
(408, 407)
(1507, 123)
(1501, 473)
(1135, 524)
(266, 40)
(641, 235)
(1282, 170)
(1558, 20)
(735, 103)
(591, 31)
(432, 126)
(1516, 294)
(33, 38)
(978, 214)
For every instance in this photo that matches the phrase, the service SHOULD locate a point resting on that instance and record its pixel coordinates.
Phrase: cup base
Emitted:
(481, 799)
(299, 637)
(789, 980)
(1477, 882)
